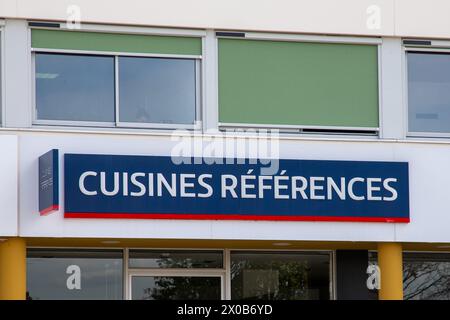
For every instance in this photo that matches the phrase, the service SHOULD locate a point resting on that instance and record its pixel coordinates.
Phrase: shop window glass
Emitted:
(280, 276)
(426, 276)
(175, 288)
(74, 274)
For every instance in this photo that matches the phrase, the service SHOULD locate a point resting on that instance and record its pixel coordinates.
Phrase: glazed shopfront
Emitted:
(177, 274)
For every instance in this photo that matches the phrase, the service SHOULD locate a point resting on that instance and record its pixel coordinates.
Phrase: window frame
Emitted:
(117, 124)
(304, 129)
(435, 47)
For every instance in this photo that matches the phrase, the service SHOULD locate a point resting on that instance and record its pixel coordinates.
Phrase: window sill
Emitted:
(184, 132)
(143, 132)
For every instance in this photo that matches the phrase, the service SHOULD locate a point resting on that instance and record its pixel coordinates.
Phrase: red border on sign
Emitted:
(46, 211)
(228, 217)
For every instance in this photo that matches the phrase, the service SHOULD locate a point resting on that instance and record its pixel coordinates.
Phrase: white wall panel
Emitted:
(310, 16)
(418, 18)
(392, 115)
(404, 18)
(8, 186)
(429, 193)
(17, 74)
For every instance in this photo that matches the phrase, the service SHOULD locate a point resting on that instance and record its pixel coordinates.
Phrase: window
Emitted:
(298, 84)
(428, 76)
(175, 288)
(426, 276)
(176, 274)
(121, 80)
(152, 90)
(175, 259)
(74, 274)
(74, 87)
(280, 276)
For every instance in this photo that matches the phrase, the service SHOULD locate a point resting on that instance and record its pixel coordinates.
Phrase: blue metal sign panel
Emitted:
(48, 182)
(116, 186)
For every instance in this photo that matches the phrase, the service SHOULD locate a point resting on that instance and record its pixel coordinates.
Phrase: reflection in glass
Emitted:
(175, 288)
(428, 92)
(175, 259)
(73, 274)
(157, 90)
(426, 276)
(74, 87)
(279, 276)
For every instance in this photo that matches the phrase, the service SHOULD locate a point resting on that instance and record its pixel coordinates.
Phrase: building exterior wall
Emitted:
(382, 23)
(398, 17)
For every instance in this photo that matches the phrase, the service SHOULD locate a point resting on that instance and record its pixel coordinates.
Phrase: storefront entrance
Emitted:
(169, 274)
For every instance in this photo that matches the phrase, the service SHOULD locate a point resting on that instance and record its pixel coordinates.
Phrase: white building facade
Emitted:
(352, 80)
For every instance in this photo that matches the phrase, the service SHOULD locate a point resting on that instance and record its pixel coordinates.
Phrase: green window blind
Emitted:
(95, 41)
(297, 83)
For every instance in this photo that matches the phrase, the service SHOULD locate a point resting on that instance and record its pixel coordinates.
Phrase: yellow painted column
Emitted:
(390, 261)
(13, 263)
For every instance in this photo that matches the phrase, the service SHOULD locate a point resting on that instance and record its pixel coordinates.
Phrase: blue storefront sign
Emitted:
(48, 182)
(146, 187)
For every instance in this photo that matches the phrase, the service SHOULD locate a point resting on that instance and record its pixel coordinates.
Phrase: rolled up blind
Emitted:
(113, 42)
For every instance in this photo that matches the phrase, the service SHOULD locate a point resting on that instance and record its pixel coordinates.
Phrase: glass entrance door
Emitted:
(176, 287)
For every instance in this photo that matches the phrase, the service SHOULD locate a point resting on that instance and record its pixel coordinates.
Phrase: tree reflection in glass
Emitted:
(176, 287)
(279, 276)
(426, 280)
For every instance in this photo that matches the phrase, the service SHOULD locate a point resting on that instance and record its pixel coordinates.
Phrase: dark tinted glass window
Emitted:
(280, 276)
(426, 276)
(176, 288)
(175, 259)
